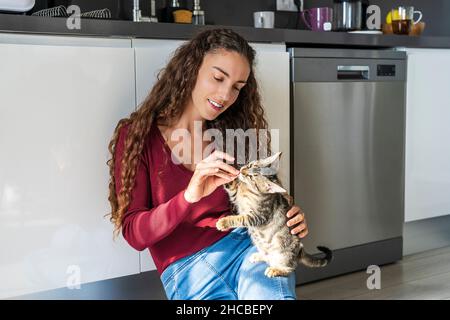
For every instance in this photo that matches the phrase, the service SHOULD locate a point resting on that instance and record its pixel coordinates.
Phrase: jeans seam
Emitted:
(280, 288)
(175, 288)
(183, 265)
(220, 276)
(281, 291)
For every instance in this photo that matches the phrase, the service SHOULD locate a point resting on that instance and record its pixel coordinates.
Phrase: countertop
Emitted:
(128, 29)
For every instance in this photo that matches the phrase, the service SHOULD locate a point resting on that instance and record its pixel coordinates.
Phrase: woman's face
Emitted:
(220, 78)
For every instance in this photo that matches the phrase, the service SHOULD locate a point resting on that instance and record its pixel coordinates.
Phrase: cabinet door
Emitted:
(60, 105)
(427, 134)
(272, 73)
(151, 57)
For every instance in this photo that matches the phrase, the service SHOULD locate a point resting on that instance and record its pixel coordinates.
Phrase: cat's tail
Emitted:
(314, 262)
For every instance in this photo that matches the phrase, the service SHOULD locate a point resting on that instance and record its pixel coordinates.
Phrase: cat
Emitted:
(261, 205)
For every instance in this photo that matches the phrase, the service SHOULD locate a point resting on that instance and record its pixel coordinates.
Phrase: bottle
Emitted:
(153, 17)
(198, 15)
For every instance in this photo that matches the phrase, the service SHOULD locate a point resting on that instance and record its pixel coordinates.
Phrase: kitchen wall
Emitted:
(239, 13)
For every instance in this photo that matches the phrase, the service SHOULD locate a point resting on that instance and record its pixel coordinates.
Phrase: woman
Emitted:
(171, 208)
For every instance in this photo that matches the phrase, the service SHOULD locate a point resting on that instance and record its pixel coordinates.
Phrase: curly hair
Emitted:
(164, 104)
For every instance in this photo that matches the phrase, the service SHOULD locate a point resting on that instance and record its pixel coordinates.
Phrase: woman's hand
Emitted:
(209, 174)
(297, 216)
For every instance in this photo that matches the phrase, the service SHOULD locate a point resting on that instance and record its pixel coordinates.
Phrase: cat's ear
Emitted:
(272, 187)
(270, 161)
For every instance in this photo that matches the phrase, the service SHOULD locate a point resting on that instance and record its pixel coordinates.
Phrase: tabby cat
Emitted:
(261, 204)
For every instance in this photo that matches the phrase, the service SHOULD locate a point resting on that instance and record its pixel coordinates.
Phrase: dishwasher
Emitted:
(347, 155)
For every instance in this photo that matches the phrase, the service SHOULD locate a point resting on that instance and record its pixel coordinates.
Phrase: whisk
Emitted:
(59, 11)
(99, 14)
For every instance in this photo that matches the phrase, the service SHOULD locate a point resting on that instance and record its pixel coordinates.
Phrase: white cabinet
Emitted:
(427, 180)
(151, 57)
(59, 106)
(272, 72)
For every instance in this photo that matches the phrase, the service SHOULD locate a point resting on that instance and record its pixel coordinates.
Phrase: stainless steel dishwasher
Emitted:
(347, 158)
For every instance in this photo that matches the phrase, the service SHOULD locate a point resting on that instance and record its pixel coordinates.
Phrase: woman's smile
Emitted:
(215, 105)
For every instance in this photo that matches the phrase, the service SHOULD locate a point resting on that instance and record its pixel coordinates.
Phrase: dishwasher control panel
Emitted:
(386, 70)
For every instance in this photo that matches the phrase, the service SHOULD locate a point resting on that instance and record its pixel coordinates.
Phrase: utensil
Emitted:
(264, 19)
(98, 14)
(59, 11)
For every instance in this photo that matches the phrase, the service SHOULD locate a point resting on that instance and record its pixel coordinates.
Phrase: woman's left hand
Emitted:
(297, 217)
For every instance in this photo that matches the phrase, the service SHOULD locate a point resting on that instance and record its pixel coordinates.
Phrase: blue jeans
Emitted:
(223, 271)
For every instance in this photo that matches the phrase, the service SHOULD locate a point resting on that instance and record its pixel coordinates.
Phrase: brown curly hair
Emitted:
(165, 102)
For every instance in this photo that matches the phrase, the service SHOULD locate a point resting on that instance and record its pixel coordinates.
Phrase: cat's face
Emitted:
(256, 175)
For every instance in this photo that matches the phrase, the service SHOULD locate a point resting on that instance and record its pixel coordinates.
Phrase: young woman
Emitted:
(172, 207)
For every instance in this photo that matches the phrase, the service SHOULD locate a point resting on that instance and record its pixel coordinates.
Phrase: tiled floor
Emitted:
(421, 276)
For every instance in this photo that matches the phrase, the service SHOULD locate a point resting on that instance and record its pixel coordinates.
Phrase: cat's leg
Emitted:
(235, 221)
(252, 284)
(229, 222)
(278, 271)
(281, 264)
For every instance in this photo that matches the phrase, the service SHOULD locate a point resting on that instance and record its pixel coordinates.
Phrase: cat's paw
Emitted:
(256, 257)
(277, 272)
(222, 224)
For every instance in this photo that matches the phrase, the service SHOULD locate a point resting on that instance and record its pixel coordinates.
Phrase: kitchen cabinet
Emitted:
(272, 72)
(61, 98)
(151, 56)
(427, 168)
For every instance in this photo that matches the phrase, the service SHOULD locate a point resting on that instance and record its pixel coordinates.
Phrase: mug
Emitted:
(403, 18)
(264, 19)
(318, 19)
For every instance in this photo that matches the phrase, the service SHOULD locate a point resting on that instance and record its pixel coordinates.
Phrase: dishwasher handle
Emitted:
(353, 72)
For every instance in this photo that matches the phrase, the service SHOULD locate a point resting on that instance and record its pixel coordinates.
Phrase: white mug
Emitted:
(264, 19)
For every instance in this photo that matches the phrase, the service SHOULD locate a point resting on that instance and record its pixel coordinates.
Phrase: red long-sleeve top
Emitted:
(158, 217)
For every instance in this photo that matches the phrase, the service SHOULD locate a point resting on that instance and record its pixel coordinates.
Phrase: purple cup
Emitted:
(318, 19)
